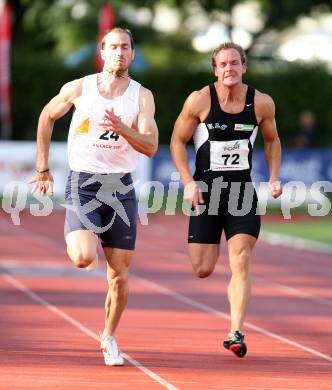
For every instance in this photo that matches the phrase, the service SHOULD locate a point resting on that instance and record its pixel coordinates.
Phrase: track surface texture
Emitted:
(172, 330)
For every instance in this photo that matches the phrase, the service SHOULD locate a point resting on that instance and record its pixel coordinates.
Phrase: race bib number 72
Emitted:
(229, 155)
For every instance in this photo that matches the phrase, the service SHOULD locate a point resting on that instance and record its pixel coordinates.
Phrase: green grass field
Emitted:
(317, 230)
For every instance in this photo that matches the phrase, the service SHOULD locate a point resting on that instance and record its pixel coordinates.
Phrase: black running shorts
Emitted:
(229, 207)
(105, 204)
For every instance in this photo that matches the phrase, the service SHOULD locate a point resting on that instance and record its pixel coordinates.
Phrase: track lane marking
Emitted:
(209, 309)
(181, 298)
(43, 302)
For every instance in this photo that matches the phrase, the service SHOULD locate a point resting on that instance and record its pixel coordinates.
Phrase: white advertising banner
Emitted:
(18, 159)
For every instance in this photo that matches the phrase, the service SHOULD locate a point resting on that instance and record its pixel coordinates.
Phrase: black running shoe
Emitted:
(234, 342)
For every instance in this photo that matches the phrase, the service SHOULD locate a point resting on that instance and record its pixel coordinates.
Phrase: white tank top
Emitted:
(90, 148)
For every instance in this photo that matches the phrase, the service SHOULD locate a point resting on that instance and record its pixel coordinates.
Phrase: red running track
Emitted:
(173, 327)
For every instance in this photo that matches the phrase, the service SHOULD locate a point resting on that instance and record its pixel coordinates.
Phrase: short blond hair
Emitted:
(229, 45)
(118, 30)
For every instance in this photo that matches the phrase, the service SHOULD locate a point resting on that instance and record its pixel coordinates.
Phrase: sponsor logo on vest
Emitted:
(230, 148)
(83, 128)
(212, 126)
(243, 127)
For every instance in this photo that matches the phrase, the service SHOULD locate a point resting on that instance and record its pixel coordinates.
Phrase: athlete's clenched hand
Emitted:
(193, 194)
(113, 123)
(275, 188)
(43, 183)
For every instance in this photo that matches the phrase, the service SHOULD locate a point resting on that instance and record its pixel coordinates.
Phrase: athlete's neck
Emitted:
(110, 75)
(113, 84)
(228, 94)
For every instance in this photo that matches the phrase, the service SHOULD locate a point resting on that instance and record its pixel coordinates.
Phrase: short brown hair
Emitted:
(118, 30)
(229, 45)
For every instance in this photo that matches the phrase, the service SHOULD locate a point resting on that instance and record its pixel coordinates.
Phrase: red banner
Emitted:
(5, 43)
(106, 22)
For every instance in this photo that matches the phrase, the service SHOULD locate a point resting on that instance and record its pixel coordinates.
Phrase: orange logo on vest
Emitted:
(83, 128)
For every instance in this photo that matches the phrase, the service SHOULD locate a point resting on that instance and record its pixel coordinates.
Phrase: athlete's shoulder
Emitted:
(143, 90)
(72, 89)
(146, 101)
(136, 83)
(198, 100)
(199, 96)
(263, 99)
(264, 103)
(145, 93)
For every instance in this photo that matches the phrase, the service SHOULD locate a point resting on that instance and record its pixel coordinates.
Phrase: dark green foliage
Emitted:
(298, 88)
(44, 33)
(34, 83)
(294, 88)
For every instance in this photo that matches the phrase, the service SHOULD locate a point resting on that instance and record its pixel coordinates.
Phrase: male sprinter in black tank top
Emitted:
(223, 119)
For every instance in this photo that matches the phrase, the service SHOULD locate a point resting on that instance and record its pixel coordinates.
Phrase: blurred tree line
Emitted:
(45, 32)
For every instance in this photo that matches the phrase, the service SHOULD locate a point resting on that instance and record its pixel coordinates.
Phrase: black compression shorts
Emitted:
(231, 209)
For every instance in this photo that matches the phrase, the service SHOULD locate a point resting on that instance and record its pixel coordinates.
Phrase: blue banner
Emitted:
(305, 165)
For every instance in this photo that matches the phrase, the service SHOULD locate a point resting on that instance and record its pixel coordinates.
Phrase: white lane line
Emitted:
(209, 309)
(295, 242)
(293, 291)
(179, 257)
(35, 297)
(37, 238)
(55, 269)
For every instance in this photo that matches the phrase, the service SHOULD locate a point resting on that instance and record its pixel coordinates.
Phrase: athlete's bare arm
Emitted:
(265, 111)
(55, 109)
(191, 115)
(144, 139)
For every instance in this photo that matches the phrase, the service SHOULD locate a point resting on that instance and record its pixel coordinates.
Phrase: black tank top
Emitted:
(224, 141)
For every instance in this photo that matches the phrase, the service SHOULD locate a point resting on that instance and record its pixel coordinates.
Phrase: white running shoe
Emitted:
(93, 266)
(110, 350)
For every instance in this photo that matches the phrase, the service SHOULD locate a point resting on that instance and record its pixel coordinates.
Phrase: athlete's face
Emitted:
(117, 52)
(229, 69)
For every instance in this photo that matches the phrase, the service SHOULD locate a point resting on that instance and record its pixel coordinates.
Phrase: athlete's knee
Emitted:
(202, 272)
(119, 284)
(240, 262)
(202, 269)
(81, 258)
(203, 259)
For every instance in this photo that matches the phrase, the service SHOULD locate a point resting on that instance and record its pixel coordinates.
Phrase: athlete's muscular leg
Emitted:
(203, 258)
(82, 247)
(240, 248)
(118, 262)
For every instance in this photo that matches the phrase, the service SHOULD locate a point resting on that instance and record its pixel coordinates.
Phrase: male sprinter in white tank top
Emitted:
(223, 118)
(112, 123)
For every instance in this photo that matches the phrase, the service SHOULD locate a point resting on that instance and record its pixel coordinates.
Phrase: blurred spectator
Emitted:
(305, 137)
